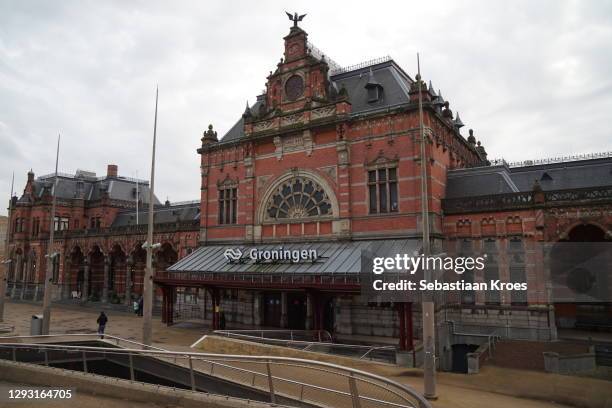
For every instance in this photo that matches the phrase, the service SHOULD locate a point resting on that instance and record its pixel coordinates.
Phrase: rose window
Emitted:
(298, 198)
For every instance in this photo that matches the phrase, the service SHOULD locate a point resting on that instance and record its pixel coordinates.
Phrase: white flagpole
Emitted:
(7, 261)
(147, 329)
(136, 197)
(50, 254)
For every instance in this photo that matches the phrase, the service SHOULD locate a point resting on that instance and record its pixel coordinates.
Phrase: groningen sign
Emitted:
(271, 255)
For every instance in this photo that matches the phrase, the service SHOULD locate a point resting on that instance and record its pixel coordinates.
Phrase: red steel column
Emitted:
(170, 306)
(164, 304)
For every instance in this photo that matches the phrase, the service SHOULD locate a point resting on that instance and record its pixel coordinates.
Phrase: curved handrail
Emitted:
(307, 345)
(401, 391)
(326, 334)
(93, 336)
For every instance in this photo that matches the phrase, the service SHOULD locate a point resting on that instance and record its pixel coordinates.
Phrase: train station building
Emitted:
(321, 167)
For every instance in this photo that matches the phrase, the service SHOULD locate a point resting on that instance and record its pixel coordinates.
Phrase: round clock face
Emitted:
(294, 87)
(294, 49)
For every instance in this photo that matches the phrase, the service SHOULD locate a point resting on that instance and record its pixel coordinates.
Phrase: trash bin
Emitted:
(36, 325)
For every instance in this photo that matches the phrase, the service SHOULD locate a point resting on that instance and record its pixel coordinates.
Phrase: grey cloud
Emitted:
(532, 78)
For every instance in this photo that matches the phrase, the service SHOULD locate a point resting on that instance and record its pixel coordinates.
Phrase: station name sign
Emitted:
(274, 255)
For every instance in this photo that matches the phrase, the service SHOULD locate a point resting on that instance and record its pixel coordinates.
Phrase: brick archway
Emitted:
(577, 262)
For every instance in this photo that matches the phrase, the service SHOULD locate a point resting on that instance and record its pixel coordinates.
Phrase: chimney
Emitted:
(112, 170)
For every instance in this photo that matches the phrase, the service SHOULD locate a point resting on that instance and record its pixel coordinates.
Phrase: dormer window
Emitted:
(374, 93)
(546, 177)
(374, 88)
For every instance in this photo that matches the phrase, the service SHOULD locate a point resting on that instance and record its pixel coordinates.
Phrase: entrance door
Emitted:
(272, 309)
(80, 278)
(460, 352)
(296, 310)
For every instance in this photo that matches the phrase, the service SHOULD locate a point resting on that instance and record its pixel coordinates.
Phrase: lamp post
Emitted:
(428, 308)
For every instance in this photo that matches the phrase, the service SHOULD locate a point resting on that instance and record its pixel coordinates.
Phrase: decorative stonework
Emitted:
(248, 167)
(342, 149)
(262, 181)
(263, 126)
(293, 143)
(290, 120)
(382, 161)
(227, 182)
(331, 171)
(323, 112)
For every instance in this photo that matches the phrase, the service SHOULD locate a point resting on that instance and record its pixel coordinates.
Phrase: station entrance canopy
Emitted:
(322, 265)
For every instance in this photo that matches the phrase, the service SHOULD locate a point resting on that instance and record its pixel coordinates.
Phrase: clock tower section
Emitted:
(300, 80)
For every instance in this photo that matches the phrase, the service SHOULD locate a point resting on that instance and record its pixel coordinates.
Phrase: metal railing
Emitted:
(491, 337)
(363, 64)
(46, 338)
(321, 342)
(311, 382)
(282, 335)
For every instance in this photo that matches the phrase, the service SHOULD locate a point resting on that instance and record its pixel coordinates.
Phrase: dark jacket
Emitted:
(102, 319)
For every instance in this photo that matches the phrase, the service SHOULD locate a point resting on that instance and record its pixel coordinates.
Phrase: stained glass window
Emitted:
(298, 198)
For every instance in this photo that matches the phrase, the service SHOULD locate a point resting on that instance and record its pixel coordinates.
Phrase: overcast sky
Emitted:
(532, 78)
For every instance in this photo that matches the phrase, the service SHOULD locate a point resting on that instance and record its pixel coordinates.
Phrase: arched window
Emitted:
(297, 198)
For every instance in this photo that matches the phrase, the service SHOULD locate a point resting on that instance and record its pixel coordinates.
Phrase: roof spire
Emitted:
(458, 123)
(247, 111)
(431, 90)
(439, 100)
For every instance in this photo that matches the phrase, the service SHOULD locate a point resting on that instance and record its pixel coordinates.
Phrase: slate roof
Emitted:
(161, 215)
(553, 176)
(334, 257)
(91, 188)
(394, 81)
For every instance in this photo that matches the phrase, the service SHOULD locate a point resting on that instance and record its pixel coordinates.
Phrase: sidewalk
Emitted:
(455, 390)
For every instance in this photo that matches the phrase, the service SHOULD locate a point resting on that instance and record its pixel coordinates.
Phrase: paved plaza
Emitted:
(455, 390)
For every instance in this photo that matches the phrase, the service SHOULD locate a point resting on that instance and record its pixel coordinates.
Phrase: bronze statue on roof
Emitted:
(295, 18)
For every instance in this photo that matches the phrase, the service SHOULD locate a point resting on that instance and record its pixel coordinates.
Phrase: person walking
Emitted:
(222, 320)
(140, 306)
(102, 320)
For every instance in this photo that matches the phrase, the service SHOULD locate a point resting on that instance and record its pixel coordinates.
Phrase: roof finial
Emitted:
(247, 111)
(458, 123)
(295, 18)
